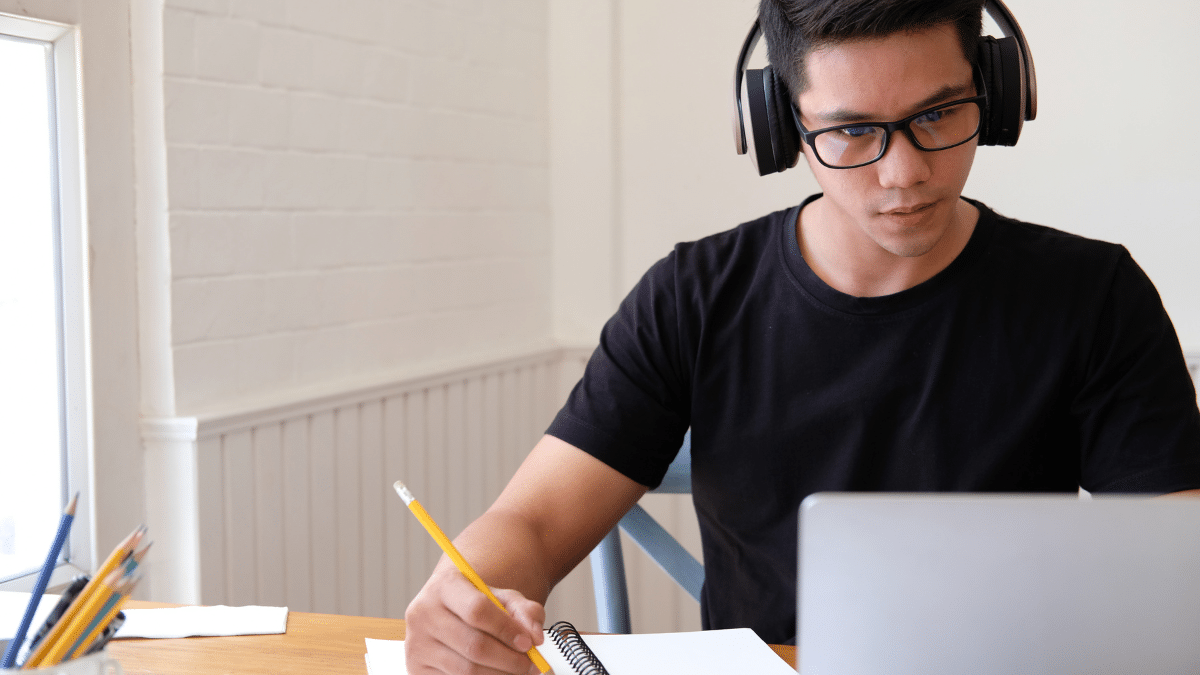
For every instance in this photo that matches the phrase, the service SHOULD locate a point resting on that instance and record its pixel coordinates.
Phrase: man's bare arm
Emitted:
(556, 508)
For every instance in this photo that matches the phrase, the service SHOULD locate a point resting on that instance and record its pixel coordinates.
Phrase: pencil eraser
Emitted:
(403, 492)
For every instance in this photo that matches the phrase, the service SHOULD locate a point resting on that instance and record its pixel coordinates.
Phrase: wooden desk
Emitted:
(315, 644)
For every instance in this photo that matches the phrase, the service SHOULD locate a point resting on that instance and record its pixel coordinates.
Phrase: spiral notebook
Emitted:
(712, 652)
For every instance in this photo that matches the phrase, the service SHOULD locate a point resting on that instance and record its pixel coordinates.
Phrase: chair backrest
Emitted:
(608, 566)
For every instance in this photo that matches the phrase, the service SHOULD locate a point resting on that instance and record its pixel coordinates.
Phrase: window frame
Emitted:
(75, 340)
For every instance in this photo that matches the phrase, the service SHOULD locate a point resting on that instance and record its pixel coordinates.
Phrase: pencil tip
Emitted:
(70, 510)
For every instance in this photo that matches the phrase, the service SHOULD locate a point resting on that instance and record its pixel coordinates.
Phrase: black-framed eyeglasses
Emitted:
(849, 146)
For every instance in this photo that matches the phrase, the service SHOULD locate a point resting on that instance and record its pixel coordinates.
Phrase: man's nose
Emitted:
(903, 164)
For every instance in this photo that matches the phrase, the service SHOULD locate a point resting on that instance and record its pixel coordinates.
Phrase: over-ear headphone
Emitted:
(1005, 69)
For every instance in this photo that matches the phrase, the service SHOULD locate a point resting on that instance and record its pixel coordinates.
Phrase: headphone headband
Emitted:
(739, 125)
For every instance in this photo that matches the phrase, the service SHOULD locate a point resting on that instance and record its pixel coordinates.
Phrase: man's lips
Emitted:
(907, 210)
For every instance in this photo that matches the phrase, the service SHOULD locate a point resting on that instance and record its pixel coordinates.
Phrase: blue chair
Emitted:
(608, 567)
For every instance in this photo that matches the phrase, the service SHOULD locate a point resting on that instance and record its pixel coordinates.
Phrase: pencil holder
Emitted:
(99, 663)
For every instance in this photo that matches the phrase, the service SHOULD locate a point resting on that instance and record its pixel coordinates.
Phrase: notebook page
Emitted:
(713, 652)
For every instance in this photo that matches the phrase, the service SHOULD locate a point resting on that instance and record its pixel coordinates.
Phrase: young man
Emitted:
(886, 334)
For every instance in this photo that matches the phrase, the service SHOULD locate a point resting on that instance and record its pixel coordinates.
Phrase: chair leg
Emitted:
(608, 583)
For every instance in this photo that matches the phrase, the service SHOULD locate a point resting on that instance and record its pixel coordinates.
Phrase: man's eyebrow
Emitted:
(848, 116)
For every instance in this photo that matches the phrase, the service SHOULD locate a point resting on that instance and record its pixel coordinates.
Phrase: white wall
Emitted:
(356, 189)
(355, 192)
(1102, 68)
(1107, 156)
(642, 144)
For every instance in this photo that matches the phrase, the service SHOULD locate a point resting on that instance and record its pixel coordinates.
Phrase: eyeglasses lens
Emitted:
(934, 129)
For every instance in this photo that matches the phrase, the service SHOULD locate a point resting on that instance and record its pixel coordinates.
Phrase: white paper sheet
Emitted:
(167, 622)
(12, 608)
(176, 622)
(385, 657)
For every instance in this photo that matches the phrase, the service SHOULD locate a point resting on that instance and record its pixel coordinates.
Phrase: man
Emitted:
(886, 334)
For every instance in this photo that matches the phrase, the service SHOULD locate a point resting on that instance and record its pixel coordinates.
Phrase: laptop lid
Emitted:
(1036, 585)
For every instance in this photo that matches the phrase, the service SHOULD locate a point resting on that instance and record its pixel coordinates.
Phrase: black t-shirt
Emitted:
(1037, 361)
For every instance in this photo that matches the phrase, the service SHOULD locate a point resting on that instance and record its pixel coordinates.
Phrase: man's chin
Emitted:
(911, 234)
(908, 240)
(908, 248)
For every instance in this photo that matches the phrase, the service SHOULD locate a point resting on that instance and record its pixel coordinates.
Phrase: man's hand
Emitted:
(560, 503)
(453, 628)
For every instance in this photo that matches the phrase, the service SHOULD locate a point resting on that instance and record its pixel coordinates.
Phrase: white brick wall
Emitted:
(356, 188)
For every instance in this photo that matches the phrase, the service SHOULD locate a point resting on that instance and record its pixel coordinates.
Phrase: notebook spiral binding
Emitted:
(576, 651)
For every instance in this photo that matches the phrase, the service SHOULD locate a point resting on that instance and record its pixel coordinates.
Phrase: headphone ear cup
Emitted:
(987, 55)
(783, 126)
(774, 137)
(1003, 78)
(762, 147)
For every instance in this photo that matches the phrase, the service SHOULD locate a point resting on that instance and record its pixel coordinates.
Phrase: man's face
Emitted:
(907, 201)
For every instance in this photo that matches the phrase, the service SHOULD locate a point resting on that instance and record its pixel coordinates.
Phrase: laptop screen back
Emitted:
(1035, 585)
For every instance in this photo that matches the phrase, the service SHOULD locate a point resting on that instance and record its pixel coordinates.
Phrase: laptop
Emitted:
(897, 584)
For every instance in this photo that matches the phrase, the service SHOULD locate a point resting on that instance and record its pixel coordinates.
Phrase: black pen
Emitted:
(68, 596)
(109, 631)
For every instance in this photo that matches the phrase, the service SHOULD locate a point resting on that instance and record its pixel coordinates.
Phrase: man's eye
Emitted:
(857, 132)
(931, 117)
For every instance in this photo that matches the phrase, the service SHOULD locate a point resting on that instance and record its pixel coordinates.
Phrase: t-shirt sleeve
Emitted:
(631, 408)
(1137, 407)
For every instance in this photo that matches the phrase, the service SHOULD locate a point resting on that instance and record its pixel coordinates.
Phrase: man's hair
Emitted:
(793, 28)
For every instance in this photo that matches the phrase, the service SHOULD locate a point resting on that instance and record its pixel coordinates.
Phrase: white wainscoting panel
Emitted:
(297, 508)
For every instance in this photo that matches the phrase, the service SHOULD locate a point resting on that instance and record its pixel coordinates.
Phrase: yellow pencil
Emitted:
(118, 556)
(80, 621)
(108, 611)
(127, 577)
(459, 561)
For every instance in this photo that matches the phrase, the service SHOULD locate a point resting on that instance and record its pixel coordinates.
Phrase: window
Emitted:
(44, 420)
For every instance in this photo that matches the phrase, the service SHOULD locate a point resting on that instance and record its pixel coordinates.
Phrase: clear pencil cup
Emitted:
(99, 663)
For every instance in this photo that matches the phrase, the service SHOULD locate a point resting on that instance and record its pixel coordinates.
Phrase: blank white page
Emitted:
(713, 652)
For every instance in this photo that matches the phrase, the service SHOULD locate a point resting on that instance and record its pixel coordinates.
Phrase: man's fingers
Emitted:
(530, 614)
(455, 628)
(518, 631)
(471, 646)
(441, 658)
(438, 640)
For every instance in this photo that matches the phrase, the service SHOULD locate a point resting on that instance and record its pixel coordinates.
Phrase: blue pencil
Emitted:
(64, 526)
